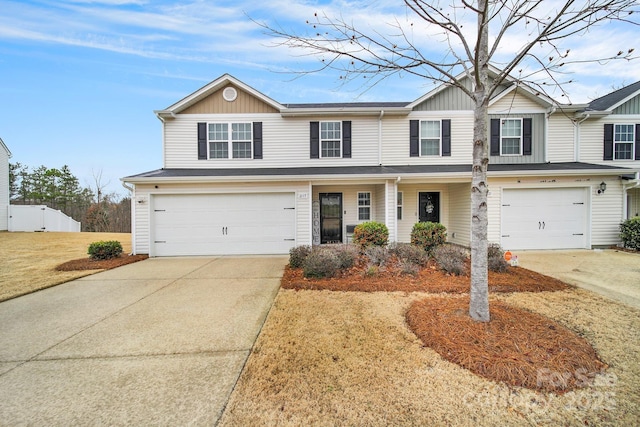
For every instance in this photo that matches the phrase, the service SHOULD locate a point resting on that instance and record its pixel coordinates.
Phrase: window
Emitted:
(364, 206)
(623, 140)
(238, 135)
(330, 138)
(511, 137)
(430, 138)
(399, 204)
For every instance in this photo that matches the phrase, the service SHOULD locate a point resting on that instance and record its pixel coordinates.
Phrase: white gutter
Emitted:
(576, 142)
(380, 137)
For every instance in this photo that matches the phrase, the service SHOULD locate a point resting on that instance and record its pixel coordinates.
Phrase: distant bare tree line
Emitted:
(60, 189)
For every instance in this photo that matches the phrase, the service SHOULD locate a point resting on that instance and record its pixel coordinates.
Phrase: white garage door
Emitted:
(545, 218)
(223, 224)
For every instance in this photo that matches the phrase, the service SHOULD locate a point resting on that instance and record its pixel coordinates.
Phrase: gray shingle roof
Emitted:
(366, 170)
(349, 105)
(606, 102)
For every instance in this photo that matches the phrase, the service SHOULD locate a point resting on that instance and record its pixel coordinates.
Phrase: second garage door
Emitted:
(554, 218)
(223, 224)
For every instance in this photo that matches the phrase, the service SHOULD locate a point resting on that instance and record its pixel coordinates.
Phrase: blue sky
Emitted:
(79, 79)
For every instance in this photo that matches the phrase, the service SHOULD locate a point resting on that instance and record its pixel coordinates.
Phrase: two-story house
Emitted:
(245, 174)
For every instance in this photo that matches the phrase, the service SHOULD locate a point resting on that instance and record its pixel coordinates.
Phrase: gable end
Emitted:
(215, 103)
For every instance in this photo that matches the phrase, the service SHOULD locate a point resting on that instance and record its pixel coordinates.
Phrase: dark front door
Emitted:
(330, 218)
(429, 206)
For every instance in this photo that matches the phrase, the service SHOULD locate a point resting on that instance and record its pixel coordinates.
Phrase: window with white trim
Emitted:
(230, 140)
(399, 204)
(364, 206)
(623, 142)
(510, 137)
(430, 140)
(330, 139)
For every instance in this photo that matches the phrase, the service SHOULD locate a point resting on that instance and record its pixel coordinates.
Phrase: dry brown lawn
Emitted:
(349, 358)
(28, 260)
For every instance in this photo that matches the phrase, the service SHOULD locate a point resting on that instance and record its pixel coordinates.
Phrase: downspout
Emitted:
(133, 221)
(380, 137)
(395, 228)
(576, 153)
(546, 132)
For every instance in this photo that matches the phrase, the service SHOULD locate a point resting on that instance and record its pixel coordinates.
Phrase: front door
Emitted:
(429, 206)
(330, 218)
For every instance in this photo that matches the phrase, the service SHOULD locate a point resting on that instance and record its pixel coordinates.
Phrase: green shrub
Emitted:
(452, 259)
(408, 253)
(428, 235)
(377, 255)
(297, 255)
(321, 262)
(495, 259)
(105, 249)
(371, 233)
(630, 233)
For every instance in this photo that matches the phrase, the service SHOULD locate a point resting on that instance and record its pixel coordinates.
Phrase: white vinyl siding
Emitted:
(592, 140)
(561, 139)
(395, 137)
(459, 230)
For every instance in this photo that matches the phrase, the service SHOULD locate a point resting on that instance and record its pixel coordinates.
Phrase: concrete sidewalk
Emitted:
(158, 342)
(614, 274)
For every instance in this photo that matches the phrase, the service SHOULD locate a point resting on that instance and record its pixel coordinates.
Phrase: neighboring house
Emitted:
(5, 154)
(245, 174)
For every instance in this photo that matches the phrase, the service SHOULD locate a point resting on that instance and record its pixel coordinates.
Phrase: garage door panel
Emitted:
(555, 218)
(219, 224)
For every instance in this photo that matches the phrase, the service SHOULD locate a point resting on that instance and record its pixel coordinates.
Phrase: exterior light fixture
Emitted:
(602, 187)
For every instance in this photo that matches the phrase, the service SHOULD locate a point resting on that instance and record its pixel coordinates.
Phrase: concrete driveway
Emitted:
(158, 342)
(611, 273)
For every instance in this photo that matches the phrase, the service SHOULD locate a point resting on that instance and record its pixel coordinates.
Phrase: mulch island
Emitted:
(516, 347)
(105, 264)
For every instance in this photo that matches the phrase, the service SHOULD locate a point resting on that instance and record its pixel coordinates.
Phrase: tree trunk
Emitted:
(479, 294)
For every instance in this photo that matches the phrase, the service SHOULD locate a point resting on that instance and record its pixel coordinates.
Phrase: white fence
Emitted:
(40, 218)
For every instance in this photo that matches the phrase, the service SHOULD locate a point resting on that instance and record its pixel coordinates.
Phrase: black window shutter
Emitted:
(257, 140)
(414, 138)
(346, 139)
(202, 141)
(495, 137)
(637, 142)
(315, 140)
(527, 139)
(608, 141)
(446, 137)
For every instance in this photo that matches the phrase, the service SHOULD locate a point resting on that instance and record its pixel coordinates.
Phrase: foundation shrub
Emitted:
(495, 258)
(428, 235)
(297, 255)
(377, 255)
(321, 262)
(630, 233)
(371, 233)
(105, 250)
(346, 254)
(452, 259)
(409, 253)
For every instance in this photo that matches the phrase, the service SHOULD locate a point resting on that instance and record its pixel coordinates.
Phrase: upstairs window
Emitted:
(330, 139)
(364, 206)
(511, 137)
(430, 138)
(230, 140)
(623, 142)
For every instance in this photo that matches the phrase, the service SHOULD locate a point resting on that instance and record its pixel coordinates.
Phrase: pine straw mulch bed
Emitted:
(429, 279)
(105, 264)
(516, 347)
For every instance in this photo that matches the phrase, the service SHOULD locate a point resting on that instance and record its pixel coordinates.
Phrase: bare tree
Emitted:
(465, 61)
